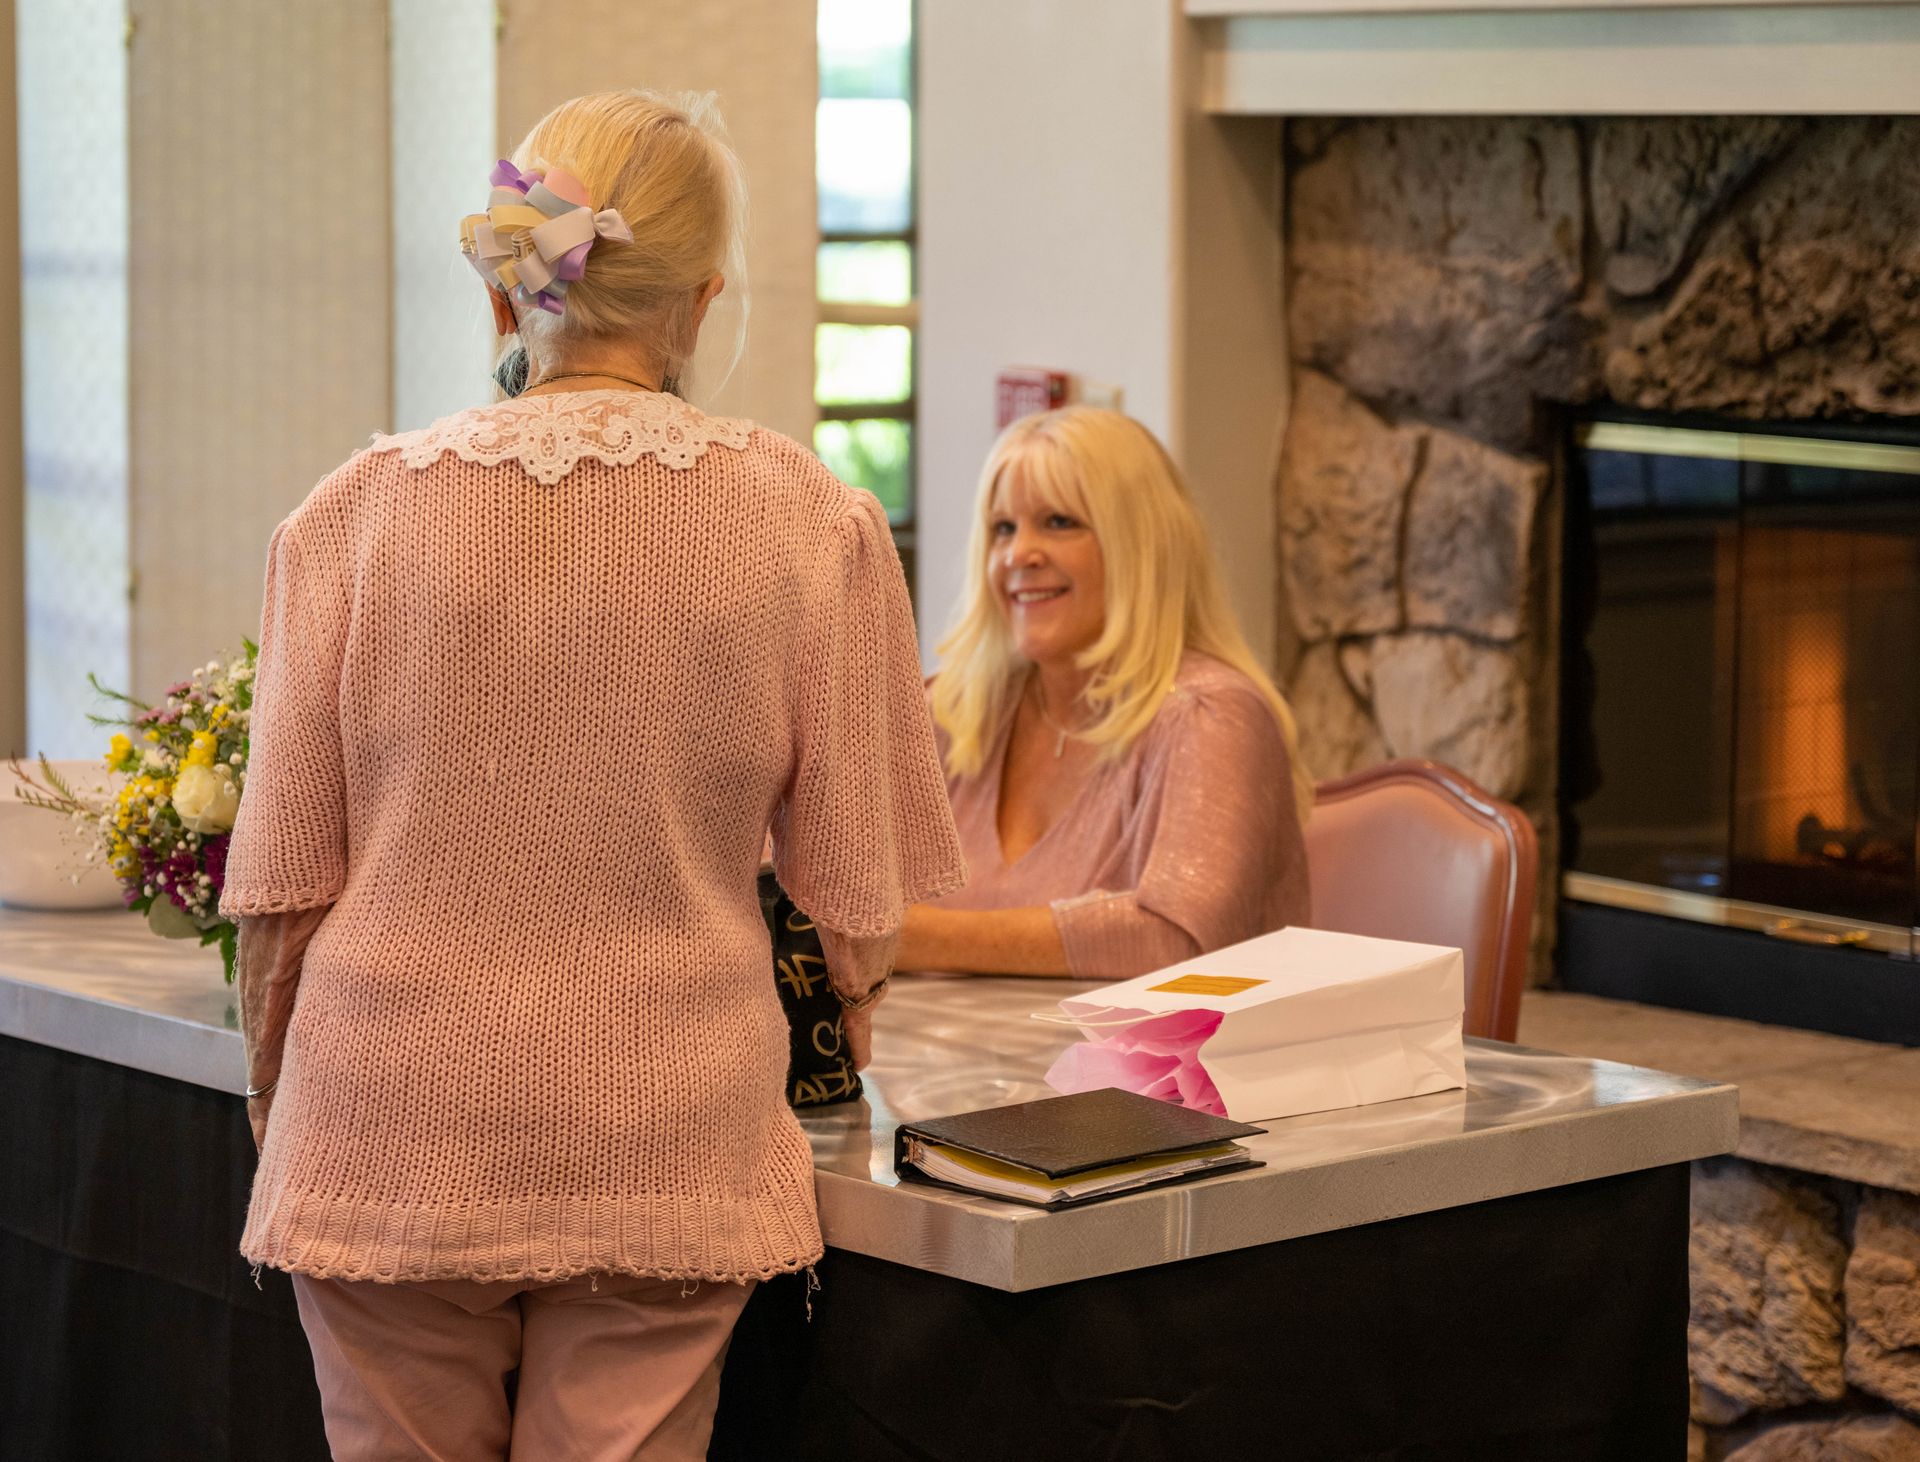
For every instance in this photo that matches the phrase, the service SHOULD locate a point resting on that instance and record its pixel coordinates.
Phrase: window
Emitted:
(864, 342)
(74, 323)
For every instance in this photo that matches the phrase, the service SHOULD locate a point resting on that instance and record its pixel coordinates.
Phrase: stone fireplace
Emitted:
(1457, 287)
(1462, 292)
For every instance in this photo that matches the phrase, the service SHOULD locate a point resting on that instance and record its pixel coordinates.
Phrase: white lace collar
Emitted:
(547, 436)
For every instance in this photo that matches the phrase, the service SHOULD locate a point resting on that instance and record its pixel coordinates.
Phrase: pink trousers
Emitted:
(615, 1367)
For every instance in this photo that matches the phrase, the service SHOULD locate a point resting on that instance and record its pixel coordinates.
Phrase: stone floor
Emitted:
(1808, 1101)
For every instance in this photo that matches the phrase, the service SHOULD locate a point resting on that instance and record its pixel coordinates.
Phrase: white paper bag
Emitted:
(1308, 1021)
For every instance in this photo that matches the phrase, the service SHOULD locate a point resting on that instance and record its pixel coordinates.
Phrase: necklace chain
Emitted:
(590, 375)
(1061, 733)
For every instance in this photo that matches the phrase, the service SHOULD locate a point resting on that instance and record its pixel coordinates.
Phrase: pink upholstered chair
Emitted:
(1414, 850)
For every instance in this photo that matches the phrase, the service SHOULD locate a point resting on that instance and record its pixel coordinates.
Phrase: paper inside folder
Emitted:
(996, 1179)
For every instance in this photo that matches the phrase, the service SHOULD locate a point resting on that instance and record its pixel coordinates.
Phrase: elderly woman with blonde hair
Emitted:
(535, 683)
(1123, 774)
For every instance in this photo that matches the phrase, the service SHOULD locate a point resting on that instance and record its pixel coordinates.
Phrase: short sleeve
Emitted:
(863, 829)
(1226, 860)
(289, 848)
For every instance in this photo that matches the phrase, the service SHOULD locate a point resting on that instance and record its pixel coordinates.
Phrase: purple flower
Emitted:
(183, 872)
(214, 851)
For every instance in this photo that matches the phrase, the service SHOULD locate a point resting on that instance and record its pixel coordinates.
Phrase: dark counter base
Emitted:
(1549, 1327)
(131, 1326)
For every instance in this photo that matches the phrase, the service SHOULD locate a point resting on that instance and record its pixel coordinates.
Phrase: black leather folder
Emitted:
(1061, 1138)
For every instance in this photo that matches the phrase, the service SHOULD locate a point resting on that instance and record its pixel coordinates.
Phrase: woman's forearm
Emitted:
(982, 941)
(267, 977)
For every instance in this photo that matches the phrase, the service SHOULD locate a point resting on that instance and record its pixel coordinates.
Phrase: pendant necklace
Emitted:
(1060, 732)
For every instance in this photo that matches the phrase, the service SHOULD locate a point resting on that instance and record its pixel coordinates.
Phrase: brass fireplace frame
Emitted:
(1795, 925)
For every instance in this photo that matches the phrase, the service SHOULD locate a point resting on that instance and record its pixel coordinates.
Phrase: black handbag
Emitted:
(819, 1072)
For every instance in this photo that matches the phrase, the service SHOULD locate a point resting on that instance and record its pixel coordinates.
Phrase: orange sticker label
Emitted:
(1207, 985)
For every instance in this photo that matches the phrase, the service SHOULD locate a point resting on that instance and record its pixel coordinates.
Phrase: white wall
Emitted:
(1560, 57)
(72, 92)
(1045, 234)
(1231, 355)
(1078, 213)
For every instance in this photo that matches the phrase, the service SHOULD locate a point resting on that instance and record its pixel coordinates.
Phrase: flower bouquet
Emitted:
(164, 836)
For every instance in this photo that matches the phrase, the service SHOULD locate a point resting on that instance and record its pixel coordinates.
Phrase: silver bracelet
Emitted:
(260, 1091)
(863, 1001)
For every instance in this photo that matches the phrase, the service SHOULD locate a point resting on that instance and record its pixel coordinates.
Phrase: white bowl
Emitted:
(43, 856)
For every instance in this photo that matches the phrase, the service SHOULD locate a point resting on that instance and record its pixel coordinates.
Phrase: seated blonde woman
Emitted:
(1122, 772)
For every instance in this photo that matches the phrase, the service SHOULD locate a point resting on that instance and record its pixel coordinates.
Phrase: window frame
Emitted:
(863, 313)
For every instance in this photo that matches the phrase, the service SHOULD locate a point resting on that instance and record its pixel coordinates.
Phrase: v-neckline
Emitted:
(1000, 794)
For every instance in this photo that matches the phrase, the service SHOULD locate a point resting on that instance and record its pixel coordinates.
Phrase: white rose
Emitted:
(206, 800)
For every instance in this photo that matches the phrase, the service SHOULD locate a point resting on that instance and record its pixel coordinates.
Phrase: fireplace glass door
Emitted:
(1741, 709)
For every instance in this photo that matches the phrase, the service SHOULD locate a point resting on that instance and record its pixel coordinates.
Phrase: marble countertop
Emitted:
(101, 985)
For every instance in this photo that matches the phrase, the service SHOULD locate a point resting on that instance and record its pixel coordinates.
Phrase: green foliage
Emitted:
(875, 454)
(227, 936)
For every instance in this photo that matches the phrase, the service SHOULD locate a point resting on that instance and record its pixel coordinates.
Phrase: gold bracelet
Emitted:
(862, 1002)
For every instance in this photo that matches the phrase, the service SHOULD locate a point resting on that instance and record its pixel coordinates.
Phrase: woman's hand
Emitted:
(857, 1027)
(856, 965)
(257, 1109)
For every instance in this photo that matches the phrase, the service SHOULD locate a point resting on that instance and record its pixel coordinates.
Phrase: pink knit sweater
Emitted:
(534, 683)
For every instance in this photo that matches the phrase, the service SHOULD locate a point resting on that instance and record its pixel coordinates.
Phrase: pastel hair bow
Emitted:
(532, 241)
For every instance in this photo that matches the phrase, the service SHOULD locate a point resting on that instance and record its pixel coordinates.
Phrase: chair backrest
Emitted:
(1414, 850)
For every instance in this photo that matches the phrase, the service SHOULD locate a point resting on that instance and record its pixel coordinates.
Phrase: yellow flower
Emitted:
(205, 746)
(218, 717)
(153, 736)
(119, 750)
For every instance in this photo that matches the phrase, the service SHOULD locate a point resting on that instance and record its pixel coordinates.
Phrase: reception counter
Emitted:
(1546, 1200)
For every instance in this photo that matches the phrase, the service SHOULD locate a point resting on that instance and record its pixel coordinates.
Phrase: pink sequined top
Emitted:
(1187, 843)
